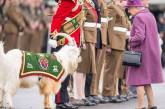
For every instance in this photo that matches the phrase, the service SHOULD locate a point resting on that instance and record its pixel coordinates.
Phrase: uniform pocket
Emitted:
(90, 34)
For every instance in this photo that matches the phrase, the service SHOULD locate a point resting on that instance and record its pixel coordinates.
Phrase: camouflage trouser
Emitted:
(31, 41)
(37, 41)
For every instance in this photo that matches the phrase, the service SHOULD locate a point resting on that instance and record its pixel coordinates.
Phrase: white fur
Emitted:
(10, 64)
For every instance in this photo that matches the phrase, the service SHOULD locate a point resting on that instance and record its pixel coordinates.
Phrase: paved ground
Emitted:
(30, 99)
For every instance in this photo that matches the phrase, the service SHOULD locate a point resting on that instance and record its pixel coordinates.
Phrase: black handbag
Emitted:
(132, 58)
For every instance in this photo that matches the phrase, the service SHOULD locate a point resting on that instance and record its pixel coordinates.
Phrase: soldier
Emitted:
(32, 39)
(100, 53)
(67, 19)
(13, 25)
(37, 25)
(88, 63)
(117, 29)
(89, 85)
(24, 40)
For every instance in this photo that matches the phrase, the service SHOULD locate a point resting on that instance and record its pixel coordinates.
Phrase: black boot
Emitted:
(141, 108)
(66, 106)
(89, 103)
(115, 99)
(154, 107)
(93, 99)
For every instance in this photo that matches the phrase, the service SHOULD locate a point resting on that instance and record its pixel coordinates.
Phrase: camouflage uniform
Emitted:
(13, 25)
(32, 39)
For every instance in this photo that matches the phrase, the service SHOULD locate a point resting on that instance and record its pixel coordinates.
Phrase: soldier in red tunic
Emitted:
(67, 19)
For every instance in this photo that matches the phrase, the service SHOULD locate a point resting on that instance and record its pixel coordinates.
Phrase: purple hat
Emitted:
(134, 3)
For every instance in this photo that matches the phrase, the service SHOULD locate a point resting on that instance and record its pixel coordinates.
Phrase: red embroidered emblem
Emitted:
(44, 63)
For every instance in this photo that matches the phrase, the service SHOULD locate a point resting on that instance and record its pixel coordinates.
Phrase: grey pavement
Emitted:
(31, 99)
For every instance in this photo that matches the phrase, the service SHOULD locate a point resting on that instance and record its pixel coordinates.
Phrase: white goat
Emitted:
(10, 65)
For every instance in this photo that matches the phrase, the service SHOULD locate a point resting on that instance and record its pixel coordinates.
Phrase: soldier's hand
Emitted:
(34, 25)
(108, 50)
(21, 33)
(53, 34)
(128, 35)
(83, 46)
(128, 43)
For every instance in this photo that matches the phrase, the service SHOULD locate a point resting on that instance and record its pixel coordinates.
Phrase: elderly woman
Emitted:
(144, 38)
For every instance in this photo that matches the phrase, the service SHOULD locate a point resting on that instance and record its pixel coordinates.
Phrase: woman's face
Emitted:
(132, 10)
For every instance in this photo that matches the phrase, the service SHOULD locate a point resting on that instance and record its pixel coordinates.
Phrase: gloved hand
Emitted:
(52, 43)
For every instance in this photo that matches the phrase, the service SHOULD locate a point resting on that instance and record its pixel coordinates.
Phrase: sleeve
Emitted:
(115, 8)
(111, 13)
(139, 32)
(103, 8)
(65, 7)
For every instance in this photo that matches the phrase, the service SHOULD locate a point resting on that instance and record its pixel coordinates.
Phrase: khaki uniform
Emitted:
(117, 29)
(88, 54)
(100, 55)
(13, 25)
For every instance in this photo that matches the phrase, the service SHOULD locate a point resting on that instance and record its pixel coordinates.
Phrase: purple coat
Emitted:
(144, 38)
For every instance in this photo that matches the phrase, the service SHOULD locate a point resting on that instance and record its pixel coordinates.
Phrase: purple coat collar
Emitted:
(145, 10)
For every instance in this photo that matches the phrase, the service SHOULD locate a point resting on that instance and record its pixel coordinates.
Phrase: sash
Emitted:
(71, 25)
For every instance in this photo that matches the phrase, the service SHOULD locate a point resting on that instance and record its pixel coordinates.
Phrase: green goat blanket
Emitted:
(41, 64)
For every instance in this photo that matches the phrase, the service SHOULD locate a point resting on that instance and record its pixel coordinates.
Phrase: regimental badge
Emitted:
(29, 65)
(43, 63)
(55, 68)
